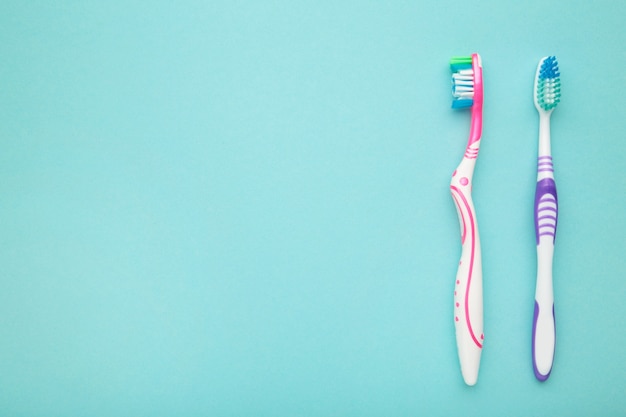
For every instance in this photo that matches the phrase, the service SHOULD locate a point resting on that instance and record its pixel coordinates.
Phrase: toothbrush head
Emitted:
(547, 92)
(467, 83)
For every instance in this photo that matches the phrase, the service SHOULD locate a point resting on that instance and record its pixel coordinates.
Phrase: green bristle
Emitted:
(459, 60)
(548, 93)
(459, 63)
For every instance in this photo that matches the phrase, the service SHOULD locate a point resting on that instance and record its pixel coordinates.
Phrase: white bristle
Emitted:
(463, 84)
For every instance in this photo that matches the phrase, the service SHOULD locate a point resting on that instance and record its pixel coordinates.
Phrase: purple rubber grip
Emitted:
(541, 377)
(546, 218)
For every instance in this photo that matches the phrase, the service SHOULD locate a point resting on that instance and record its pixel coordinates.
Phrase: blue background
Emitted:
(242, 208)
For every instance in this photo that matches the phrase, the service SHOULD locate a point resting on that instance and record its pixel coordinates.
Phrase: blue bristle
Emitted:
(459, 67)
(549, 68)
(462, 103)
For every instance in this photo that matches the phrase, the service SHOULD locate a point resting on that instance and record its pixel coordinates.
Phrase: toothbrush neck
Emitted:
(544, 134)
(476, 127)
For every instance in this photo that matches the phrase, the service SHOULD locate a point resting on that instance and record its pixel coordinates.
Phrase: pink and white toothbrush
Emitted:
(546, 95)
(467, 90)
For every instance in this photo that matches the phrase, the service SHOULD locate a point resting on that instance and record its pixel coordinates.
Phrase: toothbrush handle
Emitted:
(544, 330)
(468, 298)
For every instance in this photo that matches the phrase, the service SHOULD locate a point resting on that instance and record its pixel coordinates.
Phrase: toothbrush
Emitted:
(546, 95)
(467, 90)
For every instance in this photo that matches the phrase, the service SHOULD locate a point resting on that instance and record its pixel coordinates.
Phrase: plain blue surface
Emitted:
(242, 208)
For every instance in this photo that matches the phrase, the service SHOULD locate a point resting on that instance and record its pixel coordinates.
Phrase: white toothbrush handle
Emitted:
(544, 329)
(468, 292)
(546, 215)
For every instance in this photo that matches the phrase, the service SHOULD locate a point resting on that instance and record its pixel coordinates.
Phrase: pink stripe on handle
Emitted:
(471, 153)
(471, 263)
(462, 221)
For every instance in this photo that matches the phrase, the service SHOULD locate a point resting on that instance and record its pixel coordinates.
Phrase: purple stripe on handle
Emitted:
(544, 164)
(541, 377)
(546, 217)
(546, 228)
(546, 189)
(552, 209)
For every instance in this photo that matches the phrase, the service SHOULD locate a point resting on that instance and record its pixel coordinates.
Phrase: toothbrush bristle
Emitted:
(548, 84)
(462, 82)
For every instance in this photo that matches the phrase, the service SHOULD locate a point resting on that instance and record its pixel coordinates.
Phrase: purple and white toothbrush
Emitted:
(547, 94)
